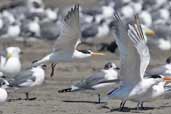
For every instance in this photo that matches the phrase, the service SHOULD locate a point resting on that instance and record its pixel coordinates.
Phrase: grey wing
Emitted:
(130, 55)
(70, 30)
(137, 37)
(23, 79)
(92, 80)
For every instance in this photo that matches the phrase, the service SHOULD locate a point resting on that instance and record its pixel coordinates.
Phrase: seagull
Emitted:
(10, 61)
(13, 30)
(3, 93)
(134, 57)
(66, 45)
(27, 79)
(97, 82)
(94, 32)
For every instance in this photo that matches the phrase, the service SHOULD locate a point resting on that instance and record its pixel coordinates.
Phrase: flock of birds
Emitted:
(33, 19)
(132, 80)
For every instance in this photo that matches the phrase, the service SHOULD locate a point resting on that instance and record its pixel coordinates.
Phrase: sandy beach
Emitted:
(49, 101)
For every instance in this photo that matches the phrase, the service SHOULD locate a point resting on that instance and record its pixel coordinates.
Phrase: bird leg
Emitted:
(99, 100)
(122, 105)
(27, 96)
(53, 69)
(142, 106)
(138, 105)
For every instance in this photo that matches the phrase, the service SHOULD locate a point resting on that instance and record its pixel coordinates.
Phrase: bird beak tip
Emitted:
(150, 32)
(167, 79)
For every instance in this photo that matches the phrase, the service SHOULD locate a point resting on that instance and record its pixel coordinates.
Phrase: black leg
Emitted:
(27, 96)
(99, 100)
(53, 69)
(122, 105)
(138, 105)
(142, 106)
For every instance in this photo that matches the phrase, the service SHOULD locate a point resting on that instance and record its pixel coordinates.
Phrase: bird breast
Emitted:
(3, 95)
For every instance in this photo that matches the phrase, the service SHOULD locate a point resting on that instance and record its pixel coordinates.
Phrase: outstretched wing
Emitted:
(132, 49)
(70, 31)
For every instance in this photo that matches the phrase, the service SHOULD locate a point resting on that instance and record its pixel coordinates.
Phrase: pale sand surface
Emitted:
(49, 101)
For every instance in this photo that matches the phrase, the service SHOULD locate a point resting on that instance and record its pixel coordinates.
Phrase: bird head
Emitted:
(110, 65)
(4, 83)
(13, 52)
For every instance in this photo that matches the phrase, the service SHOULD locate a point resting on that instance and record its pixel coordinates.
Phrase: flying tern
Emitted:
(65, 48)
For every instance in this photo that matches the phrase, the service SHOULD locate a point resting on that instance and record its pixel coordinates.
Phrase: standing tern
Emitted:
(154, 92)
(97, 82)
(164, 70)
(134, 59)
(65, 48)
(26, 80)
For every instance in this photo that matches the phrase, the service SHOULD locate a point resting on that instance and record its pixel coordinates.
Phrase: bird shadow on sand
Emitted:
(81, 101)
(21, 99)
(133, 110)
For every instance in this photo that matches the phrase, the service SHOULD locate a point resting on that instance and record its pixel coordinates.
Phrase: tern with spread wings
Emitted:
(134, 59)
(65, 48)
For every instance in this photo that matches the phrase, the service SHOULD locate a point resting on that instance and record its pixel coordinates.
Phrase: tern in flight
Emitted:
(65, 47)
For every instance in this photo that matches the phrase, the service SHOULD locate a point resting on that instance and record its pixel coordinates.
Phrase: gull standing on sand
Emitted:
(134, 59)
(65, 48)
(98, 83)
(25, 80)
(10, 62)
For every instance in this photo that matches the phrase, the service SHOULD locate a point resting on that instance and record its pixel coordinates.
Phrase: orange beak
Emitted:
(167, 80)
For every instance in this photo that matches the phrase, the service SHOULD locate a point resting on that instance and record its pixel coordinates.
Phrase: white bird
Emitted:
(35, 6)
(164, 70)
(65, 48)
(3, 93)
(96, 32)
(135, 57)
(155, 92)
(26, 80)
(10, 61)
(51, 14)
(13, 31)
(146, 18)
(98, 83)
